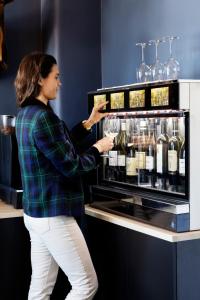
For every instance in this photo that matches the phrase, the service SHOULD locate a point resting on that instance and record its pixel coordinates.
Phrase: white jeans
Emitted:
(58, 242)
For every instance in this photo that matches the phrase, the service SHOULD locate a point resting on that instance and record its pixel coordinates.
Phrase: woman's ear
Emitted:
(40, 81)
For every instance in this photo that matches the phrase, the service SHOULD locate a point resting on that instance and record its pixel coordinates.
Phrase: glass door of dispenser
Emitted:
(155, 152)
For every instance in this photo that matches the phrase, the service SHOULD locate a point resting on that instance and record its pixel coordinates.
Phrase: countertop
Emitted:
(142, 227)
(8, 211)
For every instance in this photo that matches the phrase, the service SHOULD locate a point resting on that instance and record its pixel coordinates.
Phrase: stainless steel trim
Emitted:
(177, 209)
(147, 83)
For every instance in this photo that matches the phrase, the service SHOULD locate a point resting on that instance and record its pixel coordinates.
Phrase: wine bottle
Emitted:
(121, 152)
(182, 160)
(112, 163)
(141, 152)
(161, 150)
(131, 162)
(151, 154)
(150, 149)
(182, 167)
(173, 149)
(173, 156)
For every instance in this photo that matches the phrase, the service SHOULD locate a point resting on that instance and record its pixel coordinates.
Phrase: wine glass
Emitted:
(157, 69)
(172, 66)
(143, 72)
(111, 128)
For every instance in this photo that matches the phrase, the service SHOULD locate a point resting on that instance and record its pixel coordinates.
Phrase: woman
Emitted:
(51, 175)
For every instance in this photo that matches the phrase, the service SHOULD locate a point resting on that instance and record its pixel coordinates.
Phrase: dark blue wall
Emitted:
(23, 35)
(72, 32)
(94, 38)
(129, 21)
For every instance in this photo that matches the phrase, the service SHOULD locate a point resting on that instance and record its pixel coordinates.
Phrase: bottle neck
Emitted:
(175, 128)
(163, 128)
(152, 139)
(174, 132)
(122, 137)
(151, 131)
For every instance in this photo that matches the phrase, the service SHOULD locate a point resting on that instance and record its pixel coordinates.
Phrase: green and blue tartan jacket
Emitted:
(50, 166)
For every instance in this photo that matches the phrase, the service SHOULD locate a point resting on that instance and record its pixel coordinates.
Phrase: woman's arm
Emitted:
(81, 132)
(51, 140)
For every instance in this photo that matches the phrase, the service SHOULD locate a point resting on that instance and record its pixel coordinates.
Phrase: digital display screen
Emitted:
(160, 96)
(137, 98)
(117, 100)
(98, 99)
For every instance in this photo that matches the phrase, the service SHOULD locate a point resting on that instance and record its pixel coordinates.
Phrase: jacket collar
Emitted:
(34, 101)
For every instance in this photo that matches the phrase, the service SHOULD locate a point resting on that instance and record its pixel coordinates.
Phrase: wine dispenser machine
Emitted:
(151, 174)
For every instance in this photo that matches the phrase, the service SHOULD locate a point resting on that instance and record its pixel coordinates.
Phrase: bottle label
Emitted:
(149, 163)
(121, 160)
(172, 161)
(131, 166)
(140, 158)
(159, 158)
(182, 166)
(112, 158)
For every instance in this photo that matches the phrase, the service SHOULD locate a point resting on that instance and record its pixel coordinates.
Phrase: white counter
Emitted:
(142, 227)
(8, 211)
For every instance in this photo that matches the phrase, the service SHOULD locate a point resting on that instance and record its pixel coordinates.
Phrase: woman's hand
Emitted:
(95, 115)
(105, 144)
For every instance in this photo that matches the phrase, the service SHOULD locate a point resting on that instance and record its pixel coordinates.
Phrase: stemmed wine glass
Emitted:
(111, 127)
(157, 69)
(143, 72)
(172, 66)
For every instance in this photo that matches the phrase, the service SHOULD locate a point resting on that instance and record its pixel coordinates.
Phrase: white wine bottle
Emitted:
(151, 154)
(121, 152)
(131, 162)
(150, 149)
(161, 150)
(141, 152)
(112, 163)
(131, 173)
(173, 149)
(182, 160)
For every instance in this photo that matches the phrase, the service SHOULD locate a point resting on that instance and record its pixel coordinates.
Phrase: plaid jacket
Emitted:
(50, 166)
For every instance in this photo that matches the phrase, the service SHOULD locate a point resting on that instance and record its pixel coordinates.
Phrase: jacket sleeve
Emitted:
(50, 138)
(78, 131)
(81, 137)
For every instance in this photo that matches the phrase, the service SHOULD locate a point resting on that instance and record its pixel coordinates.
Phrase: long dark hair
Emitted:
(32, 68)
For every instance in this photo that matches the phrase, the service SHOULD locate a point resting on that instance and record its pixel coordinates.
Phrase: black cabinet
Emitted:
(15, 266)
(131, 265)
(106, 244)
(150, 267)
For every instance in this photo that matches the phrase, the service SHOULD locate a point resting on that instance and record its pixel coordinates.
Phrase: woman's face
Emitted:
(50, 84)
